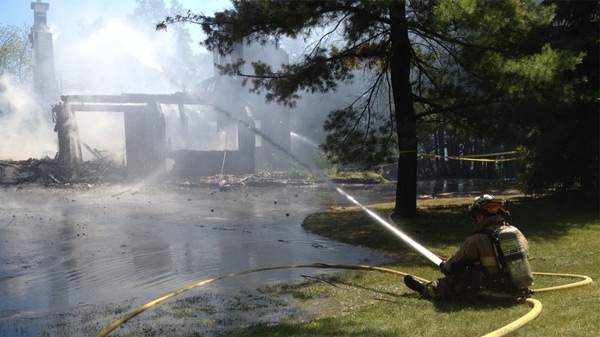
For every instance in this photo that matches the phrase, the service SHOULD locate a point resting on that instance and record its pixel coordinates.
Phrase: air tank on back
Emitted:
(515, 257)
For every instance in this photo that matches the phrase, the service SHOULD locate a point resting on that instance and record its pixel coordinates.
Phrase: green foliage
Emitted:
(561, 147)
(352, 142)
(16, 55)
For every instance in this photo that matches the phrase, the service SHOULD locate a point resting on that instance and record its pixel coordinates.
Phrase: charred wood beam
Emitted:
(184, 123)
(106, 107)
(69, 149)
(95, 152)
(177, 98)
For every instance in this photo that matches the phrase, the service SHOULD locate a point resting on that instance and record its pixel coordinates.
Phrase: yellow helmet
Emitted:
(487, 203)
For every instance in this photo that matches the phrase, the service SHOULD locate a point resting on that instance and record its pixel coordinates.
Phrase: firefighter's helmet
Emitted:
(487, 203)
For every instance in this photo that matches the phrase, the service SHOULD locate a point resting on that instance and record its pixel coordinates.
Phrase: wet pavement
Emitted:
(63, 249)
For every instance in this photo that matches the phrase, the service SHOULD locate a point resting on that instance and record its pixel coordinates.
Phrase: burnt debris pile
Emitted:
(47, 171)
(232, 182)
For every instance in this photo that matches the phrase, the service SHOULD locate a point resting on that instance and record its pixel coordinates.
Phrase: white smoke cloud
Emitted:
(26, 130)
(116, 59)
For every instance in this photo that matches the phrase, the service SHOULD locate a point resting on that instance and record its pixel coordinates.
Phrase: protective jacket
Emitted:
(477, 256)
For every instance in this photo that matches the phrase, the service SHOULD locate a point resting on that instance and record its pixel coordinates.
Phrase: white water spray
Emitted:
(424, 251)
(304, 139)
(418, 247)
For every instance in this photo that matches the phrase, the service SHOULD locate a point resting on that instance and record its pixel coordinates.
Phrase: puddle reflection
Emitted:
(102, 247)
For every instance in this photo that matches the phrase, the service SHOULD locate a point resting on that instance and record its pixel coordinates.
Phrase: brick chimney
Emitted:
(44, 77)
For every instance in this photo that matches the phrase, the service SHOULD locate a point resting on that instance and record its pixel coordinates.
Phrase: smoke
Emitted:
(25, 126)
(115, 59)
(102, 134)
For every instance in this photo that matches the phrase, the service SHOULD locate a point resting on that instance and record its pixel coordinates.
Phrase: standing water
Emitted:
(68, 250)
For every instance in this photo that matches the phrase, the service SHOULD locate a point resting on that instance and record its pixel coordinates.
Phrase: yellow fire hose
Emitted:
(532, 314)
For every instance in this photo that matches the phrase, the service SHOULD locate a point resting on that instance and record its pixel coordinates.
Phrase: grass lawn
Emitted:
(563, 238)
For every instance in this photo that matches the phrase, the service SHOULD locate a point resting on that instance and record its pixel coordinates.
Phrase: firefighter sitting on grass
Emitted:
(491, 264)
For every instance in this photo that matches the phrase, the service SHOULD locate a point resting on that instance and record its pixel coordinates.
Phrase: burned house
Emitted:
(218, 129)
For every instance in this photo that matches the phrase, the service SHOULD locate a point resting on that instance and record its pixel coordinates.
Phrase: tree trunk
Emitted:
(441, 151)
(453, 150)
(406, 188)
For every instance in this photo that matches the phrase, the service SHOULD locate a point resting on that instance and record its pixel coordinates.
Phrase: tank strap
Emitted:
(493, 235)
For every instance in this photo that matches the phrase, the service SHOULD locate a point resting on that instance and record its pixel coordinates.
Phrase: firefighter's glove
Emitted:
(442, 269)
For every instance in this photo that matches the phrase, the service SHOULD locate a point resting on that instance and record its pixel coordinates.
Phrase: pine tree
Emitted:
(431, 60)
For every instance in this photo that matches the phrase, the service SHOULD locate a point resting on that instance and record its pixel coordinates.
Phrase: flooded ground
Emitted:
(63, 249)
(68, 251)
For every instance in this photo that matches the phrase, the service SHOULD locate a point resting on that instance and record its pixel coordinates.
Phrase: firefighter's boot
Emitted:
(414, 284)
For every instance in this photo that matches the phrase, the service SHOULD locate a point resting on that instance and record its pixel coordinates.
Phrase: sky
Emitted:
(61, 12)
(63, 15)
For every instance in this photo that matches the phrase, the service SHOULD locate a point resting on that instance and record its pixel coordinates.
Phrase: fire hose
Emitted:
(536, 306)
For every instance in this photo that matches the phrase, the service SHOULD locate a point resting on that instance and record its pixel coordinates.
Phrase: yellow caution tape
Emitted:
(474, 157)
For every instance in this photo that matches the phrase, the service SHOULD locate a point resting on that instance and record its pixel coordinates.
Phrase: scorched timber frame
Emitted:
(145, 133)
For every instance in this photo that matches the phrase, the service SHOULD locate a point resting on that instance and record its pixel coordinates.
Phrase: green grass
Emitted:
(563, 237)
